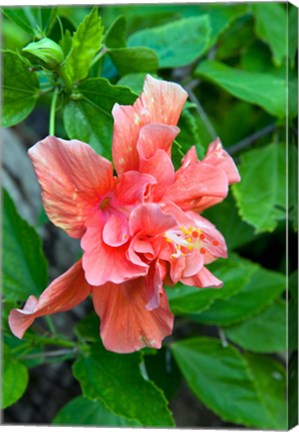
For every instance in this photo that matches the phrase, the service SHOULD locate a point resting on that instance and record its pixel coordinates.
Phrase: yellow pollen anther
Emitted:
(189, 240)
(168, 240)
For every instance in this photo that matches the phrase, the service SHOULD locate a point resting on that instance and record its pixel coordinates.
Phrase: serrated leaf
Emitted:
(134, 60)
(116, 380)
(178, 43)
(87, 115)
(263, 287)
(270, 381)
(262, 89)
(20, 89)
(261, 195)
(15, 379)
(24, 265)
(34, 20)
(262, 333)
(86, 42)
(271, 24)
(234, 272)
(82, 411)
(220, 378)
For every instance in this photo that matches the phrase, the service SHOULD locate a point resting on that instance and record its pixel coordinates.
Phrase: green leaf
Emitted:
(234, 273)
(260, 195)
(20, 89)
(264, 333)
(162, 369)
(116, 381)
(220, 378)
(262, 89)
(116, 34)
(270, 380)
(34, 20)
(87, 115)
(236, 39)
(193, 132)
(292, 32)
(134, 81)
(178, 43)
(133, 60)
(221, 17)
(293, 311)
(293, 390)
(271, 24)
(15, 379)
(88, 327)
(24, 265)
(263, 287)
(86, 42)
(85, 412)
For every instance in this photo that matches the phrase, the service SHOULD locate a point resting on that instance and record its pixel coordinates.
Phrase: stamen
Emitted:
(195, 234)
(202, 250)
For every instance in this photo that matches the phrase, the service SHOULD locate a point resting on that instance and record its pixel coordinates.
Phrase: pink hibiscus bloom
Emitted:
(138, 229)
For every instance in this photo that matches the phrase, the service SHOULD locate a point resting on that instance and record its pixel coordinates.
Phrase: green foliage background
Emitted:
(233, 61)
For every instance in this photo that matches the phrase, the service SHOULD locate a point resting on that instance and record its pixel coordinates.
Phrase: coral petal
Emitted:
(64, 293)
(154, 137)
(217, 156)
(150, 220)
(98, 257)
(73, 177)
(160, 102)
(203, 279)
(126, 324)
(195, 182)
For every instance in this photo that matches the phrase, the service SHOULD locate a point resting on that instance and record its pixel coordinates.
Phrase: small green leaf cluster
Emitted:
(230, 344)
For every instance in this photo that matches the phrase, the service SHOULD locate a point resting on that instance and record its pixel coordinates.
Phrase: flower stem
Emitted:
(53, 112)
(51, 341)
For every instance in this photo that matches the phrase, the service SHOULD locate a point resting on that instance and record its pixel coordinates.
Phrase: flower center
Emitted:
(185, 239)
(104, 203)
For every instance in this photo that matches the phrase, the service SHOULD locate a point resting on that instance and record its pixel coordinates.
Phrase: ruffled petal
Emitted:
(196, 182)
(73, 179)
(160, 102)
(154, 286)
(154, 137)
(116, 230)
(104, 263)
(126, 324)
(132, 188)
(217, 156)
(161, 168)
(203, 279)
(63, 294)
(149, 220)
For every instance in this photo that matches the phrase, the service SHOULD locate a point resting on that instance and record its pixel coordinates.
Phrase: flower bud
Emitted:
(47, 51)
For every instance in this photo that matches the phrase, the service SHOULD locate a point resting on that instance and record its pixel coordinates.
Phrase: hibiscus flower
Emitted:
(139, 229)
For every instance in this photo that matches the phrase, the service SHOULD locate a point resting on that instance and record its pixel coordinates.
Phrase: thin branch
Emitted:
(246, 142)
(54, 353)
